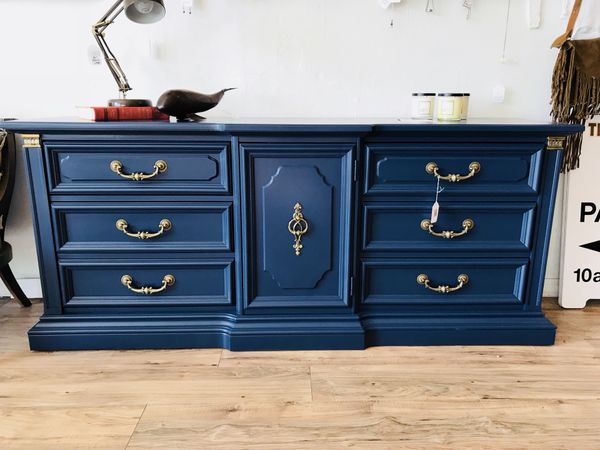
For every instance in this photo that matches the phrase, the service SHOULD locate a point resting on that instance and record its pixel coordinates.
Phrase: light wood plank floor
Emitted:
(381, 398)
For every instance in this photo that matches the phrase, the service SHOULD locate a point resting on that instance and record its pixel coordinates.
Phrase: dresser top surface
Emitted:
(279, 125)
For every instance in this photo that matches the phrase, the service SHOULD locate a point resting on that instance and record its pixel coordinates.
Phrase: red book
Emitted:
(117, 113)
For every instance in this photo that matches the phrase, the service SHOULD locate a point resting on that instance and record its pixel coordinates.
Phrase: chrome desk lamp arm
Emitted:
(113, 65)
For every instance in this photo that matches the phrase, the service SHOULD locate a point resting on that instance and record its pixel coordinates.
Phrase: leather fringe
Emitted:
(575, 98)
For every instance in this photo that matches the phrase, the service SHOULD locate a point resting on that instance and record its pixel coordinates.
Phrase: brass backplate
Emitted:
(31, 141)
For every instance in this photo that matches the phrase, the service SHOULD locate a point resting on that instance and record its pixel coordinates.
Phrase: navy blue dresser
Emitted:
(263, 235)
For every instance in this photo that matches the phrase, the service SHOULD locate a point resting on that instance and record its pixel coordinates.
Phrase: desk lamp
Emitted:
(139, 11)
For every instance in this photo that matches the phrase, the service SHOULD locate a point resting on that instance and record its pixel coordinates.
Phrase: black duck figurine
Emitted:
(184, 104)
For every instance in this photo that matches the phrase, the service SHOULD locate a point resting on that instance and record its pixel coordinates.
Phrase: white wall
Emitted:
(300, 58)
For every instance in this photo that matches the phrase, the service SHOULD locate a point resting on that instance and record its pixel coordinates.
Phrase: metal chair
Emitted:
(8, 164)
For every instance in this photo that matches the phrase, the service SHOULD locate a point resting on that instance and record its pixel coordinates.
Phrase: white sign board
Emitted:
(580, 265)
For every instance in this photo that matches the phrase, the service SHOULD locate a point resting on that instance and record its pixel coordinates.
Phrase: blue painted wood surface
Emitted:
(230, 191)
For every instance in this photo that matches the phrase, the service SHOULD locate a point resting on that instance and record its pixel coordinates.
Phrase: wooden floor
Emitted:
(381, 398)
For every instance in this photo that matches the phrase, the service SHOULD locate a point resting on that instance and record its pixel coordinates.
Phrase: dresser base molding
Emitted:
(502, 329)
(339, 332)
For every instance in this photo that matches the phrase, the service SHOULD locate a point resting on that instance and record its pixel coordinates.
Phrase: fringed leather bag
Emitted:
(576, 77)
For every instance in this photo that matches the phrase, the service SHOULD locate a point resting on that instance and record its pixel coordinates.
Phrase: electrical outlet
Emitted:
(386, 3)
(94, 55)
(499, 94)
(187, 6)
(153, 49)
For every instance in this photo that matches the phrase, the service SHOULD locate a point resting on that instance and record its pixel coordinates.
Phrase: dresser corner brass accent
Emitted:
(555, 142)
(31, 141)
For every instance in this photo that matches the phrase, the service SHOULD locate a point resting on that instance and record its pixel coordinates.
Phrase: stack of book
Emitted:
(118, 113)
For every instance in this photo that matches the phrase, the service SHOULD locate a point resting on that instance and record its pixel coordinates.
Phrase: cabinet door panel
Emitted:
(314, 260)
(313, 180)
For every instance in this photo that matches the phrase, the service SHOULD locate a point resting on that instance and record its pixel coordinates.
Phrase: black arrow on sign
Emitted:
(595, 246)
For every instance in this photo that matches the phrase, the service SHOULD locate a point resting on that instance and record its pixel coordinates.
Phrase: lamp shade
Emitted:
(144, 11)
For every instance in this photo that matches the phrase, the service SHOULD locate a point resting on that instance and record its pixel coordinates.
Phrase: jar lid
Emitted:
(451, 94)
(423, 94)
(466, 94)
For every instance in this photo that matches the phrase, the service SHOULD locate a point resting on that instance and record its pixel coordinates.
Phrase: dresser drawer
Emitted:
(489, 281)
(112, 283)
(504, 169)
(140, 168)
(495, 227)
(152, 226)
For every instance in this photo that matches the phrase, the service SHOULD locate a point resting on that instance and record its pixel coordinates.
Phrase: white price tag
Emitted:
(435, 211)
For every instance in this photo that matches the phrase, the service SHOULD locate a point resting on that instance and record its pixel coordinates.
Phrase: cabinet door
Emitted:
(314, 182)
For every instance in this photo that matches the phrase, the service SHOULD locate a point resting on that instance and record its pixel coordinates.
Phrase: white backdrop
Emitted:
(300, 58)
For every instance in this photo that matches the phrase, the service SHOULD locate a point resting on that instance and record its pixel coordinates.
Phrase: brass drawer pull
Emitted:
(433, 169)
(159, 167)
(467, 224)
(168, 280)
(462, 280)
(298, 226)
(164, 225)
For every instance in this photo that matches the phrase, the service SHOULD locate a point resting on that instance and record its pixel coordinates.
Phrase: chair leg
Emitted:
(11, 283)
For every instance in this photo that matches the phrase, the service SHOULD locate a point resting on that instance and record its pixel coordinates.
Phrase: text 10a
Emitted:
(587, 276)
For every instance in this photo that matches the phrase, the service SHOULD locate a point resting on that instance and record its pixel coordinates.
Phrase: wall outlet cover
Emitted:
(499, 94)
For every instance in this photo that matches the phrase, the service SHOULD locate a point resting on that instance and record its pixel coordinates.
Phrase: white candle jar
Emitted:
(449, 107)
(465, 106)
(422, 106)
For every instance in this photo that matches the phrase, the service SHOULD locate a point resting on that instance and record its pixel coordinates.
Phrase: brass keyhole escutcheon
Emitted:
(298, 227)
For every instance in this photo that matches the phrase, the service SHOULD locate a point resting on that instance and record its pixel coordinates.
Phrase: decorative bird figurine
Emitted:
(184, 104)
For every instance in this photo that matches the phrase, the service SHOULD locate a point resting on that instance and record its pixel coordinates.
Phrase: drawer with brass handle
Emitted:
(451, 280)
(140, 168)
(399, 226)
(469, 169)
(147, 282)
(182, 226)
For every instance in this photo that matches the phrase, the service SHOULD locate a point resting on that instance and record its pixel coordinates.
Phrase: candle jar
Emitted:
(465, 106)
(449, 107)
(422, 106)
